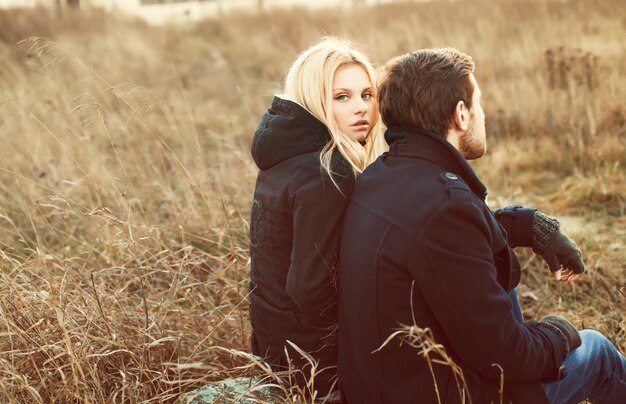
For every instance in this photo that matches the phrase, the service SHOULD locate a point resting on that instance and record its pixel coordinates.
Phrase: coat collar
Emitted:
(409, 142)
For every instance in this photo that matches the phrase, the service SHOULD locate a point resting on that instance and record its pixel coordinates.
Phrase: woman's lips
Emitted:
(361, 125)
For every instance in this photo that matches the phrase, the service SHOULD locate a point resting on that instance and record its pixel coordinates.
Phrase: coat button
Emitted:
(451, 176)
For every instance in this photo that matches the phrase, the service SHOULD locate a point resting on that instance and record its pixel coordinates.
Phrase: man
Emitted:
(421, 248)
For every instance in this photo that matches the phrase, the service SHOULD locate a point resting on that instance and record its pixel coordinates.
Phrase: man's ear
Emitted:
(461, 116)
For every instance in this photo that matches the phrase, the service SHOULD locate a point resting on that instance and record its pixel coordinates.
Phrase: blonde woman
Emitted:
(309, 146)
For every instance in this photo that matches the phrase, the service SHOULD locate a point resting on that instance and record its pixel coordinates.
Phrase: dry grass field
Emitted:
(126, 176)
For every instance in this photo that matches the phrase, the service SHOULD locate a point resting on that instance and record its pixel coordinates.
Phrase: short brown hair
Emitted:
(421, 89)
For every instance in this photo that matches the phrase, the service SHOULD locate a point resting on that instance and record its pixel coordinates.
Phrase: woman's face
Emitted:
(353, 102)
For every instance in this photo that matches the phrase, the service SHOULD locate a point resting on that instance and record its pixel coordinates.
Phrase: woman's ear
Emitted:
(461, 116)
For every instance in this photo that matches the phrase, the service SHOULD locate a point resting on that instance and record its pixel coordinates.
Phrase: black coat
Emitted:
(420, 245)
(294, 239)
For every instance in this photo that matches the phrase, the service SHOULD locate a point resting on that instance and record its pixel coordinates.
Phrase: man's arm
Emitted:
(475, 312)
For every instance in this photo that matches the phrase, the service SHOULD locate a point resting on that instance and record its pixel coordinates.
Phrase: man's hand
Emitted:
(565, 275)
(560, 252)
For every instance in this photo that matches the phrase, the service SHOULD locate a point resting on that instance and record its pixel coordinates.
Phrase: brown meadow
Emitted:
(126, 176)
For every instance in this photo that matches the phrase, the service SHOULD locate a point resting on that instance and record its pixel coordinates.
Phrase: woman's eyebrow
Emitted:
(348, 89)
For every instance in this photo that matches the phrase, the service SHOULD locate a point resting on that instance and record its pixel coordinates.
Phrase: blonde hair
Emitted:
(309, 83)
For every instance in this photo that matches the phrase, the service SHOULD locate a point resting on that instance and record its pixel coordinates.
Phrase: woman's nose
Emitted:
(361, 106)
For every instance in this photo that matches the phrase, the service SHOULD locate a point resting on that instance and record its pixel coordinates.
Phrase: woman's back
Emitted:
(293, 192)
(309, 147)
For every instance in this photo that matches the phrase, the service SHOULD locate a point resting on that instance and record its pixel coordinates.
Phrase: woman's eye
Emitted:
(341, 97)
(366, 96)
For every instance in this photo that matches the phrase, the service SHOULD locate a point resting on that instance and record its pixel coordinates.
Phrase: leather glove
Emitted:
(564, 329)
(556, 248)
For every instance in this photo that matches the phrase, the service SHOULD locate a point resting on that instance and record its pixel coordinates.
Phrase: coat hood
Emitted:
(286, 130)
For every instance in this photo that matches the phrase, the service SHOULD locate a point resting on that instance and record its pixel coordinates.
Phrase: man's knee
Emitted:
(594, 340)
(595, 346)
(592, 336)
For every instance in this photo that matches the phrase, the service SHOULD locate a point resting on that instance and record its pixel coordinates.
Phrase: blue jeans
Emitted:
(595, 370)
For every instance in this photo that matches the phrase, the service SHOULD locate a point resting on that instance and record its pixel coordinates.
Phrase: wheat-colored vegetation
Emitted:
(126, 177)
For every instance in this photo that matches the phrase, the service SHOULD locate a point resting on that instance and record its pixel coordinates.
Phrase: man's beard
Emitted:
(470, 147)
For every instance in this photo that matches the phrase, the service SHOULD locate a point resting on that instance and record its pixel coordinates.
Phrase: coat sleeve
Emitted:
(318, 212)
(452, 263)
(518, 223)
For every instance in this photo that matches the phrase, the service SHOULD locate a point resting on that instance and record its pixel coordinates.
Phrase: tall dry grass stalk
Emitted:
(127, 178)
(433, 353)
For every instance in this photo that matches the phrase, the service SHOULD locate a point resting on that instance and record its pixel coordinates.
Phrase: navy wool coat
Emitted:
(421, 247)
